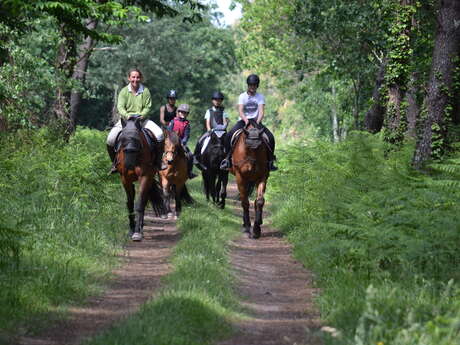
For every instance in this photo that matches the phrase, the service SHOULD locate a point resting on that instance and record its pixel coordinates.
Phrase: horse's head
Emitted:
(130, 140)
(253, 135)
(172, 146)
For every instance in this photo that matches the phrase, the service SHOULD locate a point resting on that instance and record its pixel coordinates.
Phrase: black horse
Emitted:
(214, 179)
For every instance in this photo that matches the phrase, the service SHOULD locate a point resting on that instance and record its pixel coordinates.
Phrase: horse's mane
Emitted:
(173, 137)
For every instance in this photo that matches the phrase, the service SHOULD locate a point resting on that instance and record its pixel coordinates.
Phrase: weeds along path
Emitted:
(144, 264)
(276, 291)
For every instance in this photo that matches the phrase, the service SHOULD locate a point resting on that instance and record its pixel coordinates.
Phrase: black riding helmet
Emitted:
(217, 95)
(171, 94)
(253, 79)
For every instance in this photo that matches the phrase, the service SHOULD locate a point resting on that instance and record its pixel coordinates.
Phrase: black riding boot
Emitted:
(113, 156)
(271, 163)
(159, 150)
(190, 166)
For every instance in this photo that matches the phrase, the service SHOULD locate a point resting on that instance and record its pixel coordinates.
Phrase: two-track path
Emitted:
(276, 290)
(137, 279)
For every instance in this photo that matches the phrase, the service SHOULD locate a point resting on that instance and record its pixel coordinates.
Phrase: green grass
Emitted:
(197, 302)
(381, 238)
(62, 222)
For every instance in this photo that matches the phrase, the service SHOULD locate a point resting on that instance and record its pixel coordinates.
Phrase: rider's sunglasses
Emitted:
(183, 112)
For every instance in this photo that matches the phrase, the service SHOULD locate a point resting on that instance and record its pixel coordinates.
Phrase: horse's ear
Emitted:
(123, 122)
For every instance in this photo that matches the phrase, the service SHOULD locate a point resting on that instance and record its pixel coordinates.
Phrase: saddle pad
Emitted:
(149, 137)
(205, 144)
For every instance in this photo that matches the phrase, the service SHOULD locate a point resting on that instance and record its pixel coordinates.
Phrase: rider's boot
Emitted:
(190, 160)
(113, 156)
(271, 163)
(159, 150)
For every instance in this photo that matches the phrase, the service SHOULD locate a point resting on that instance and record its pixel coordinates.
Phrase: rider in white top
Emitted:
(251, 106)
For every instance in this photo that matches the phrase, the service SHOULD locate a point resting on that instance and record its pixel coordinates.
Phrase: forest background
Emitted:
(363, 98)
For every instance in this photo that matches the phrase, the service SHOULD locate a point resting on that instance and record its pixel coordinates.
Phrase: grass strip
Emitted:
(62, 222)
(197, 301)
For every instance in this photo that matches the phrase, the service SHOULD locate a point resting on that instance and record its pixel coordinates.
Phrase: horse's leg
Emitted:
(258, 207)
(165, 186)
(145, 183)
(244, 203)
(130, 195)
(206, 184)
(212, 186)
(177, 199)
(223, 177)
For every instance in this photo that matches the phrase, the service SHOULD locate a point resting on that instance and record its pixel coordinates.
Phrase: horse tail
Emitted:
(156, 198)
(185, 196)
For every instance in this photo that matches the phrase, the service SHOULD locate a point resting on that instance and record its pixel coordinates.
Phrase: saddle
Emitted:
(252, 140)
(149, 137)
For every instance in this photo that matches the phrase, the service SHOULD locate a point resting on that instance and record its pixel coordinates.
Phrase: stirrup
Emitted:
(225, 164)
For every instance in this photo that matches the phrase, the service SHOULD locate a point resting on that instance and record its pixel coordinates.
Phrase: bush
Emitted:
(358, 218)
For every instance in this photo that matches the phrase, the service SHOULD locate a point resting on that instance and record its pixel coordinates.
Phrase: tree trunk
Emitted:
(356, 87)
(397, 76)
(437, 101)
(334, 120)
(65, 62)
(79, 74)
(373, 121)
(413, 108)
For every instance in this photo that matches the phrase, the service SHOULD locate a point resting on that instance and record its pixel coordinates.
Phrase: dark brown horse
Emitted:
(173, 178)
(214, 179)
(135, 163)
(250, 167)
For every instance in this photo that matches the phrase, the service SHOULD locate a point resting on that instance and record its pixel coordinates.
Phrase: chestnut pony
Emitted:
(250, 167)
(135, 163)
(173, 178)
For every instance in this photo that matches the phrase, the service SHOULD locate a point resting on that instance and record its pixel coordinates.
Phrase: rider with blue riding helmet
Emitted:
(168, 111)
(134, 100)
(216, 119)
(251, 106)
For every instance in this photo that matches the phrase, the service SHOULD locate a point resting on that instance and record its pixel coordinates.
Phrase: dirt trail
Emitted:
(145, 263)
(276, 291)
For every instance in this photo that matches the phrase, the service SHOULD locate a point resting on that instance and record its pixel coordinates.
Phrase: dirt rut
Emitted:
(138, 278)
(276, 290)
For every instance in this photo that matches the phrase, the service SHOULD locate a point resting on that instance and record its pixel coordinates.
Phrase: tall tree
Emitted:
(438, 101)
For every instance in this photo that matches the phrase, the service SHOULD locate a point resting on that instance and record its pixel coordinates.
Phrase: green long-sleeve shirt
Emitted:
(129, 104)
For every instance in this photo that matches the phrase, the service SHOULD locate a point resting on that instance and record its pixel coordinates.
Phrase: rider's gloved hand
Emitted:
(134, 116)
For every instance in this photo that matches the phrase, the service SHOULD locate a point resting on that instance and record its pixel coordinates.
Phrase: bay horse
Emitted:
(214, 179)
(134, 162)
(250, 167)
(173, 178)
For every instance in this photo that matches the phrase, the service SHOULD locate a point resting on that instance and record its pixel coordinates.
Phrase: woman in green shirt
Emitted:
(134, 99)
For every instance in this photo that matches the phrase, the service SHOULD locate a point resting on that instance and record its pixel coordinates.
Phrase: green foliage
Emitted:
(61, 222)
(190, 58)
(359, 219)
(27, 82)
(196, 303)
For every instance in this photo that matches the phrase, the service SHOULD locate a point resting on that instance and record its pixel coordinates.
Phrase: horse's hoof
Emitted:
(170, 215)
(164, 216)
(137, 236)
(255, 233)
